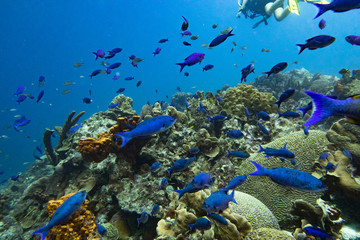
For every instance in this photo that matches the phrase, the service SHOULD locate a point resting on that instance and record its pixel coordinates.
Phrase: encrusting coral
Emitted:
(81, 225)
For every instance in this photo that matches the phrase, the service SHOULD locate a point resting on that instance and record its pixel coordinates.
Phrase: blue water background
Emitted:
(48, 37)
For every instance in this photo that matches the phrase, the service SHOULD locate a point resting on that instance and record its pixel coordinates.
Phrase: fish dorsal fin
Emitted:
(285, 146)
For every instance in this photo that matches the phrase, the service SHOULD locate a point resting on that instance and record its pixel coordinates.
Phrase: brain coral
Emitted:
(269, 234)
(236, 99)
(278, 198)
(254, 211)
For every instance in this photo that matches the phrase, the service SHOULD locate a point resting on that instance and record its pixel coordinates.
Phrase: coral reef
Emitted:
(348, 85)
(269, 234)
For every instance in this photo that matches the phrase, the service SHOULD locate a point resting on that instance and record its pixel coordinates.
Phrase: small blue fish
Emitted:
(39, 150)
(185, 24)
(208, 67)
(202, 180)
(218, 218)
(348, 154)
(317, 233)
(21, 98)
(194, 151)
(99, 54)
(276, 69)
(15, 178)
(263, 115)
(19, 91)
(74, 128)
(87, 100)
(180, 165)
(157, 51)
(263, 129)
(163, 184)
(236, 181)
(290, 178)
(218, 201)
(187, 103)
(238, 154)
(115, 50)
(114, 65)
(281, 153)
(101, 229)
(120, 90)
(143, 218)
(41, 81)
(164, 40)
(186, 43)
(22, 121)
(246, 71)
(234, 133)
(330, 167)
(37, 157)
(337, 6)
(138, 83)
(186, 33)
(247, 112)
(155, 166)
(217, 118)
(147, 128)
(219, 98)
(62, 213)
(129, 78)
(200, 224)
(221, 38)
(113, 105)
(316, 42)
(94, 73)
(353, 39)
(306, 130)
(155, 209)
(323, 156)
(293, 162)
(41, 94)
(289, 114)
(322, 24)
(284, 97)
(191, 60)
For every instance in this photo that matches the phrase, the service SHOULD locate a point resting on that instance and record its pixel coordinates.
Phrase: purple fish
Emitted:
(96, 72)
(115, 65)
(316, 42)
(164, 40)
(132, 57)
(115, 50)
(186, 33)
(325, 107)
(191, 60)
(41, 94)
(221, 38)
(246, 71)
(337, 6)
(277, 68)
(99, 54)
(21, 98)
(116, 77)
(22, 121)
(185, 24)
(322, 24)
(19, 91)
(157, 51)
(353, 40)
(129, 78)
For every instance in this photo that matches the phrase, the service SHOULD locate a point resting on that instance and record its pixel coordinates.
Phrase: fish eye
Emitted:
(164, 125)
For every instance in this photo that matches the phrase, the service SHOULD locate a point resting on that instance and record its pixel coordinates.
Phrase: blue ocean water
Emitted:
(48, 37)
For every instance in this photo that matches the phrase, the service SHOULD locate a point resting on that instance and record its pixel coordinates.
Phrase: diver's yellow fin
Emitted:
(356, 96)
(353, 120)
(294, 6)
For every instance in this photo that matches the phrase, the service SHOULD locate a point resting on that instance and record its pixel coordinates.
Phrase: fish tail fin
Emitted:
(277, 103)
(182, 65)
(285, 146)
(43, 232)
(192, 228)
(260, 170)
(322, 9)
(302, 110)
(279, 114)
(138, 222)
(267, 74)
(302, 47)
(224, 189)
(261, 148)
(169, 171)
(230, 33)
(322, 108)
(228, 153)
(125, 137)
(180, 192)
(232, 197)
(210, 118)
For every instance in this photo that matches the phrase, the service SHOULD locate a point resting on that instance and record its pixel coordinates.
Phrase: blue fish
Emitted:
(120, 90)
(330, 167)
(322, 24)
(113, 105)
(218, 201)
(304, 110)
(15, 178)
(94, 73)
(115, 50)
(201, 224)
(317, 232)
(186, 33)
(186, 43)
(316, 42)
(290, 178)
(202, 180)
(276, 69)
(323, 156)
(194, 151)
(22, 121)
(114, 65)
(236, 181)
(155, 166)
(74, 128)
(129, 78)
(289, 114)
(163, 184)
(325, 107)
(189, 188)
(347, 154)
(101, 229)
(143, 218)
(238, 154)
(41, 81)
(87, 100)
(147, 128)
(157, 51)
(110, 55)
(180, 165)
(185, 24)
(285, 96)
(218, 218)
(187, 103)
(37, 157)
(155, 209)
(39, 150)
(281, 153)
(247, 112)
(138, 83)
(293, 162)
(217, 118)
(263, 115)
(164, 40)
(208, 67)
(337, 6)
(263, 129)
(221, 38)
(41, 94)
(219, 98)
(19, 91)
(246, 71)
(63, 213)
(234, 133)
(21, 98)
(191, 60)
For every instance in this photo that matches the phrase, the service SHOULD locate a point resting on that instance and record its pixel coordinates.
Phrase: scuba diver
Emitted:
(265, 8)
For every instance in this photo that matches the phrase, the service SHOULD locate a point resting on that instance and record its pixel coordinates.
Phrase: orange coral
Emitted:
(80, 226)
(96, 150)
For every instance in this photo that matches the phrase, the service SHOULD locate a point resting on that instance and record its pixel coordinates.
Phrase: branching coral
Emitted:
(81, 225)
